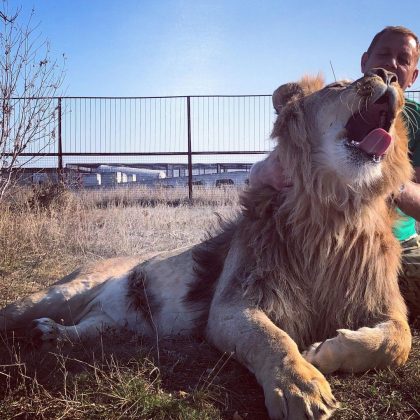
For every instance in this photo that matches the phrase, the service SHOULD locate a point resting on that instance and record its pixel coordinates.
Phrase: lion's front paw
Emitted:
(387, 344)
(303, 394)
(325, 356)
(44, 333)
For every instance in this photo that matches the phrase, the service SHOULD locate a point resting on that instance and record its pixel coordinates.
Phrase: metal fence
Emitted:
(172, 130)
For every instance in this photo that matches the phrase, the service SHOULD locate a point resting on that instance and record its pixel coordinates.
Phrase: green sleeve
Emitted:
(412, 118)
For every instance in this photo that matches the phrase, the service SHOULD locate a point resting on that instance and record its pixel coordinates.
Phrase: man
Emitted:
(395, 49)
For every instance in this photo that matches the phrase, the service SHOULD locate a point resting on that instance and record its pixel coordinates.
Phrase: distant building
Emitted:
(110, 176)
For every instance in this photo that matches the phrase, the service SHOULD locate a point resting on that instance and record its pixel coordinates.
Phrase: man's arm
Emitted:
(268, 172)
(409, 198)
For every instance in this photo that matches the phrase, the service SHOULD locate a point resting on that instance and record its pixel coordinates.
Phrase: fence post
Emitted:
(60, 143)
(190, 193)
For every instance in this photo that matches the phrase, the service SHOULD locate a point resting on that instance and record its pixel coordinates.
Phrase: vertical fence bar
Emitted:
(190, 193)
(60, 143)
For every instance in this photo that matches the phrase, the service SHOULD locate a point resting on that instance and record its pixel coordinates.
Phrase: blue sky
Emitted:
(193, 47)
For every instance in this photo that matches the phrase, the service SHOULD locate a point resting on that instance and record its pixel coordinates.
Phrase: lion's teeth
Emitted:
(376, 158)
(382, 120)
(352, 143)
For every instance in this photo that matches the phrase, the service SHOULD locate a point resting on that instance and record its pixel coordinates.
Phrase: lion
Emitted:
(302, 283)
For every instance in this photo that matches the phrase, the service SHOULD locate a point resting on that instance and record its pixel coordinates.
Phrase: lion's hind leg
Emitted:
(68, 298)
(386, 344)
(44, 333)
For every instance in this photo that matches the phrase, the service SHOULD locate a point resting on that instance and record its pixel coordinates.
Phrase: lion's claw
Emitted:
(306, 395)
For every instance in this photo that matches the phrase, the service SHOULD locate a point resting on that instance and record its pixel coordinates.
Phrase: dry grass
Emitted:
(41, 244)
(120, 377)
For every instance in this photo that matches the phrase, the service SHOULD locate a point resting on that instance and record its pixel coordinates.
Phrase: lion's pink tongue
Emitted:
(376, 142)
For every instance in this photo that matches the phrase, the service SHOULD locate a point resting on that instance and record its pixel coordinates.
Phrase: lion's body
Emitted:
(295, 267)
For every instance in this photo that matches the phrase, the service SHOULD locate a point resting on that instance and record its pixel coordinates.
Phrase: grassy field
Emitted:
(45, 236)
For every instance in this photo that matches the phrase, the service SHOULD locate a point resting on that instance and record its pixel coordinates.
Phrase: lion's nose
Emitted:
(387, 76)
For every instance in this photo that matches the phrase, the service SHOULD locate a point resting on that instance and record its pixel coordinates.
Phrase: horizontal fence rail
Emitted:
(172, 130)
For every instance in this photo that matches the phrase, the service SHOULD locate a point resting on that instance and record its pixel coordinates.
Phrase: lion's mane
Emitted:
(317, 256)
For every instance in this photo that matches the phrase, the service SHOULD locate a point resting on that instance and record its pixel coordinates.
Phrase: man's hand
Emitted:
(409, 200)
(268, 172)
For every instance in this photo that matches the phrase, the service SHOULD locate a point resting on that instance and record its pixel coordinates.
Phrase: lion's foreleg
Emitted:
(293, 388)
(386, 344)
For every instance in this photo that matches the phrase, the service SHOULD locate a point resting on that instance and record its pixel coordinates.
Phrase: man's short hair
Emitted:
(396, 30)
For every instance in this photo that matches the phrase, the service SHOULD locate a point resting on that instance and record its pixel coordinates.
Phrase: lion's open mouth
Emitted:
(368, 128)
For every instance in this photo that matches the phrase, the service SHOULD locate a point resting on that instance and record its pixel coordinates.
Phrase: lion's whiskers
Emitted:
(411, 118)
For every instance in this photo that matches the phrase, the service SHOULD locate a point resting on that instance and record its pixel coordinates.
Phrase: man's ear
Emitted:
(363, 62)
(285, 93)
(413, 79)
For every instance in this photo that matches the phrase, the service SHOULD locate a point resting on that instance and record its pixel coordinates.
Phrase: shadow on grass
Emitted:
(187, 370)
(191, 379)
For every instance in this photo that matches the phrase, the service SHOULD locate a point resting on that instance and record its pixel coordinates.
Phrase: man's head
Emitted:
(395, 49)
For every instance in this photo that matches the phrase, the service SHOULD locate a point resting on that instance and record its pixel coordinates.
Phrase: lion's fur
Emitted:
(289, 236)
(294, 267)
(209, 259)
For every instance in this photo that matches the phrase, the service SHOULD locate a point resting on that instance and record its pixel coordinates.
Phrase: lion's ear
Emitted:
(293, 91)
(285, 93)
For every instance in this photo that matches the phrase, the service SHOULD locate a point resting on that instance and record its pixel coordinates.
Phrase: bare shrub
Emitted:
(29, 79)
(47, 195)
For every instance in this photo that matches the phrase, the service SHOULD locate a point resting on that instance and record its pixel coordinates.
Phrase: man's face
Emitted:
(396, 53)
